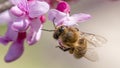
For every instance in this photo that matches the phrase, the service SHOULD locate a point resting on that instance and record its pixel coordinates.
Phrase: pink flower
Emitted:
(60, 16)
(25, 14)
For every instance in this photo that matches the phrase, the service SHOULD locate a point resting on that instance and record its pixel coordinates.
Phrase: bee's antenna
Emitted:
(54, 23)
(47, 30)
(50, 30)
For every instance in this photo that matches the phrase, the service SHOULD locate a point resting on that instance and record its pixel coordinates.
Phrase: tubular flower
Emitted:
(17, 48)
(61, 16)
(17, 39)
(25, 14)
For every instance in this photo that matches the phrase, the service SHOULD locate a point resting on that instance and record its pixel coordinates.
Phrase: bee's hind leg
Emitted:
(63, 48)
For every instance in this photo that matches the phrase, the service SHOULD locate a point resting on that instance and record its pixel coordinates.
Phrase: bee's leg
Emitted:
(63, 48)
(66, 49)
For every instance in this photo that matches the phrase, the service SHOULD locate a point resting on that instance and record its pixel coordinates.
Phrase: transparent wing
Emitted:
(93, 39)
(91, 55)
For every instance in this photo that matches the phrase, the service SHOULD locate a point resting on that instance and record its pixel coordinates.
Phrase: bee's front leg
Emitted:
(63, 48)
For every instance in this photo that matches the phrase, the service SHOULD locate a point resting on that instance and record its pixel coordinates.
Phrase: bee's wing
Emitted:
(93, 39)
(91, 55)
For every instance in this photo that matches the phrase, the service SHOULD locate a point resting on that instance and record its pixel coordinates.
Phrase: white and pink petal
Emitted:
(81, 17)
(37, 8)
(34, 33)
(68, 21)
(16, 14)
(76, 18)
(22, 4)
(20, 26)
(56, 16)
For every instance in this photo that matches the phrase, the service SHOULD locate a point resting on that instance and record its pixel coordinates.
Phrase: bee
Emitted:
(78, 43)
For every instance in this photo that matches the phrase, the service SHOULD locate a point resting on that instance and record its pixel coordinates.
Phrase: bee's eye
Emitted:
(62, 29)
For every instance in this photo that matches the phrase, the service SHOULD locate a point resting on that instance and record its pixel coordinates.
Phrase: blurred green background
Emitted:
(105, 21)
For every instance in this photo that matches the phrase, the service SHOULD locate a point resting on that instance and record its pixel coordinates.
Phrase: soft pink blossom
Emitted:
(61, 16)
(25, 14)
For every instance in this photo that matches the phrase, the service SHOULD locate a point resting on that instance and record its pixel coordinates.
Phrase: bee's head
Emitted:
(60, 30)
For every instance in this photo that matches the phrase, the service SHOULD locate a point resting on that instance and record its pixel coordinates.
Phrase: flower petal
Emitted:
(76, 18)
(10, 35)
(4, 17)
(37, 8)
(34, 32)
(4, 40)
(81, 17)
(20, 25)
(69, 21)
(16, 14)
(56, 16)
(22, 4)
(15, 51)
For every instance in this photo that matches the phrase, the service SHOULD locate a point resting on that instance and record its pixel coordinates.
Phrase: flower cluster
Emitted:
(61, 15)
(25, 21)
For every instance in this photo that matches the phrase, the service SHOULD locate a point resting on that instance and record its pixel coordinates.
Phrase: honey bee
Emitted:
(78, 43)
